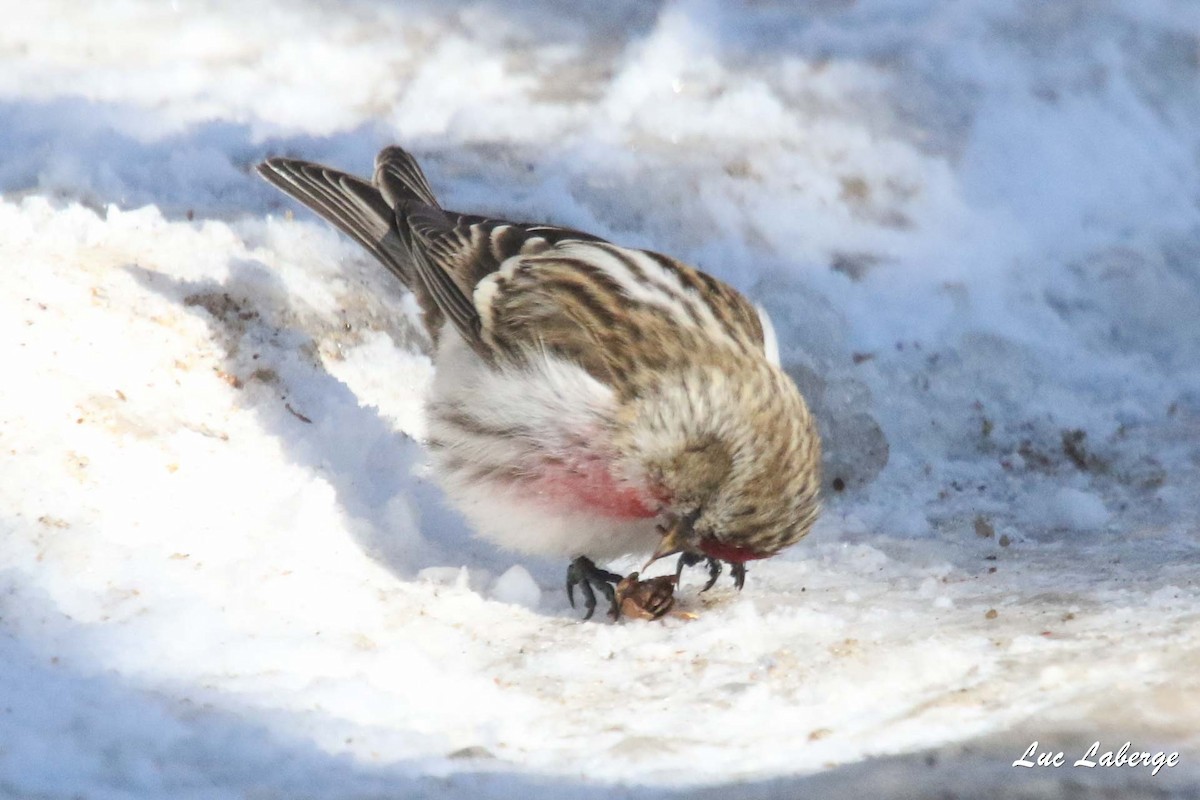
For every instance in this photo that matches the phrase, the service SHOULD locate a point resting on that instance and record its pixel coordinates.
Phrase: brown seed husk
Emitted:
(648, 599)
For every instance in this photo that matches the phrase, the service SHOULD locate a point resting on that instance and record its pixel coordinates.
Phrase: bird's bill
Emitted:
(673, 541)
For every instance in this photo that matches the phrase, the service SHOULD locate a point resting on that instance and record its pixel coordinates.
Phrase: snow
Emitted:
(1072, 509)
(517, 586)
(225, 571)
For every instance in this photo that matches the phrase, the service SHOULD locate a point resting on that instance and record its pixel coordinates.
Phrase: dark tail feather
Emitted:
(355, 206)
(399, 178)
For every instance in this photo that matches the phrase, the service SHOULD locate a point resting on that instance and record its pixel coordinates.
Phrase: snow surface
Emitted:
(224, 573)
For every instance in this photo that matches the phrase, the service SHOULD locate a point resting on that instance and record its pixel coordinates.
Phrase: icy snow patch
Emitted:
(517, 586)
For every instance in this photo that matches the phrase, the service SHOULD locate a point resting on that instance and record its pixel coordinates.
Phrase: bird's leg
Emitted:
(714, 572)
(584, 573)
(736, 568)
(691, 560)
(686, 560)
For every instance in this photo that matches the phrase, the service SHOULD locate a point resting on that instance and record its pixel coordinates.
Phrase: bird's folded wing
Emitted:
(454, 252)
(611, 309)
(615, 311)
(443, 253)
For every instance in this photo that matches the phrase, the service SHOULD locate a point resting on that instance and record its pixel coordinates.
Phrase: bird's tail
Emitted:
(400, 178)
(364, 211)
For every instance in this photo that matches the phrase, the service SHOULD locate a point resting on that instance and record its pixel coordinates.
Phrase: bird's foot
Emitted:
(736, 568)
(691, 560)
(584, 573)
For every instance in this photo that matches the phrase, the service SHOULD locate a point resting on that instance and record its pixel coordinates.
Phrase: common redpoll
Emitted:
(590, 400)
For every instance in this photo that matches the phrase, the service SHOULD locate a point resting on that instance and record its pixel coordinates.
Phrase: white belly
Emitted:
(525, 456)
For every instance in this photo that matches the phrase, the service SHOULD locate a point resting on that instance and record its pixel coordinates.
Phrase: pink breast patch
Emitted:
(590, 487)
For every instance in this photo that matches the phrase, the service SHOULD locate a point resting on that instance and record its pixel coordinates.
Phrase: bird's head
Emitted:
(736, 457)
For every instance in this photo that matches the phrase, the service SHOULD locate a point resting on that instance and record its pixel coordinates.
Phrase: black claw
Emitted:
(584, 573)
(589, 599)
(714, 572)
(686, 560)
(738, 568)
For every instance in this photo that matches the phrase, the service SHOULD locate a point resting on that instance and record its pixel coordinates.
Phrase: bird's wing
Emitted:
(520, 287)
(440, 255)
(616, 311)
(453, 253)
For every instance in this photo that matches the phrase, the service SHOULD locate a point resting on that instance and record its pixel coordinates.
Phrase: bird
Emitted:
(589, 400)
